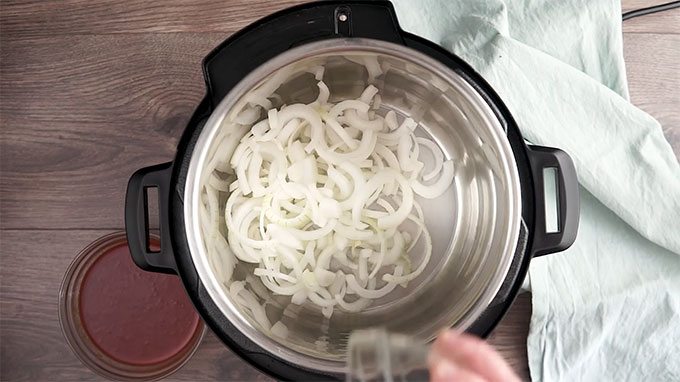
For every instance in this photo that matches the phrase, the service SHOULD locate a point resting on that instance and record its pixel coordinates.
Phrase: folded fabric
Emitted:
(608, 308)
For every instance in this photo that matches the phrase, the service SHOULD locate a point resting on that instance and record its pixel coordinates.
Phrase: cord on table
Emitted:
(650, 10)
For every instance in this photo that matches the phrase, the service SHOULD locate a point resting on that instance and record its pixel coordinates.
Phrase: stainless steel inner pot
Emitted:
(474, 226)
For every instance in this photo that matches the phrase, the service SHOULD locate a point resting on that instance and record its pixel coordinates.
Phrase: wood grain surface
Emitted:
(91, 90)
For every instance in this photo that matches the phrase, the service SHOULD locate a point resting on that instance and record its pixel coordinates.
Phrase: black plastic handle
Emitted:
(137, 220)
(266, 38)
(568, 205)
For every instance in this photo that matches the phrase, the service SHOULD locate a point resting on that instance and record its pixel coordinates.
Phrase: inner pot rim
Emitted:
(324, 47)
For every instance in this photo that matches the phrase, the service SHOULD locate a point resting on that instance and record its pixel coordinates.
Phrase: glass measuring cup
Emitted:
(378, 355)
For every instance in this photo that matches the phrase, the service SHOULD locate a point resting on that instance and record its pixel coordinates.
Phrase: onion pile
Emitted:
(317, 198)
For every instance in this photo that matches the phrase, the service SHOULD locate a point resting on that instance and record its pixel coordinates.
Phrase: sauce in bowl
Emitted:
(123, 322)
(134, 316)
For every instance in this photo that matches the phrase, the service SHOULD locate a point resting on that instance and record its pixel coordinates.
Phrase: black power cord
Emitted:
(650, 10)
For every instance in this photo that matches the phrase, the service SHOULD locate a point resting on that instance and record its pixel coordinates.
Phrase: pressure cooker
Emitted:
(510, 200)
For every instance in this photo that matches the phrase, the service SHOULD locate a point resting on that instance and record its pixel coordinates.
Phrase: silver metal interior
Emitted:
(474, 226)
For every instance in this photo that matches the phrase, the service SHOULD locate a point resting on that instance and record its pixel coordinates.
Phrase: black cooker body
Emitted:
(247, 49)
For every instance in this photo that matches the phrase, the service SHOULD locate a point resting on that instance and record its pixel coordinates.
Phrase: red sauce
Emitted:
(133, 316)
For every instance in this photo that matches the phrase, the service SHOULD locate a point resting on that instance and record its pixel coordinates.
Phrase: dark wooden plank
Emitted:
(33, 348)
(510, 336)
(108, 79)
(80, 114)
(654, 79)
(38, 18)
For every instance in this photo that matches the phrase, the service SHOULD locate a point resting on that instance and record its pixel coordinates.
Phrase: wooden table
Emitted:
(93, 90)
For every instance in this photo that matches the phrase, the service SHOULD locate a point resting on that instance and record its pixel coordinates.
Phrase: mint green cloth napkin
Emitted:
(608, 308)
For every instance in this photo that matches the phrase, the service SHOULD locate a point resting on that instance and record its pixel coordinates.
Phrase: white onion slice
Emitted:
(436, 153)
(439, 187)
(316, 196)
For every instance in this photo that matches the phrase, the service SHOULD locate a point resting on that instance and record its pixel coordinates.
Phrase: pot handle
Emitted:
(553, 169)
(266, 38)
(137, 219)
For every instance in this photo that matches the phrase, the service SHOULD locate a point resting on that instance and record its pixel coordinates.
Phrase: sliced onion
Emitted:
(317, 199)
(436, 153)
(247, 116)
(368, 94)
(361, 124)
(270, 273)
(439, 187)
(395, 278)
(405, 129)
(373, 293)
(279, 329)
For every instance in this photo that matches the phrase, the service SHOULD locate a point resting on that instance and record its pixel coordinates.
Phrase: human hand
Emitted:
(460, 357)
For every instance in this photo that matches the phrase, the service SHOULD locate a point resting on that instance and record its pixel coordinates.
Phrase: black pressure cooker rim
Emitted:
(279, 368)
(170, 178)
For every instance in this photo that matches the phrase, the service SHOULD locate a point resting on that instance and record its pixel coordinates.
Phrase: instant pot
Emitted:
(510, 201)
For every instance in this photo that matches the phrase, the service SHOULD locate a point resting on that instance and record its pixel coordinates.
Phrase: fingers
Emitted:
(471, 353)
(446, 371)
